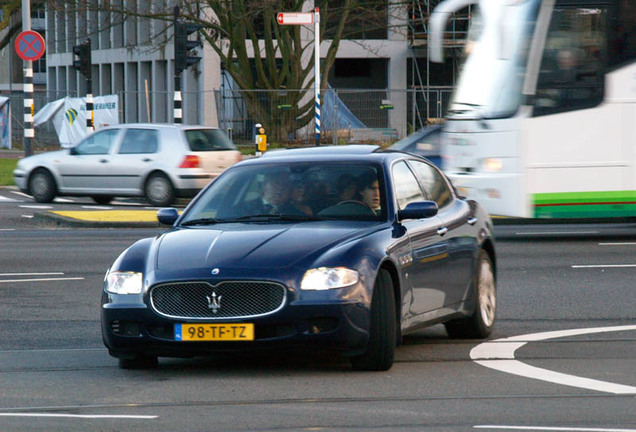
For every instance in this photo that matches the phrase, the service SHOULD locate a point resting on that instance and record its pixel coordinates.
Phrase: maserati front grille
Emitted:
(231, 299)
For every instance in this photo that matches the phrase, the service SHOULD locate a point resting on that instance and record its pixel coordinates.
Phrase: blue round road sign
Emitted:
(29, 45)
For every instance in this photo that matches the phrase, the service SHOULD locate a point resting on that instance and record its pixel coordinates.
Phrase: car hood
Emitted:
(43, 157)
(249, 246)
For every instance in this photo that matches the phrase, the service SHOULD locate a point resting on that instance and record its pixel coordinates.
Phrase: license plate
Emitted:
(214, 332)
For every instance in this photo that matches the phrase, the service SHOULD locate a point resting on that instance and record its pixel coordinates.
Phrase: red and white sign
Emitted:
(295, 18)
(29, 45)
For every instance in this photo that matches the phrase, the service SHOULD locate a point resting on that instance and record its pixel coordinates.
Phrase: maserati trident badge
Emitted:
(214, 302)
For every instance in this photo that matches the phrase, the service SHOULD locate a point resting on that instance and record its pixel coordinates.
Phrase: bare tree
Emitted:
(260, 54)
(253, 49)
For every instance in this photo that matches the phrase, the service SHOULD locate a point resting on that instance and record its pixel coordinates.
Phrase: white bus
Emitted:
(542, 122)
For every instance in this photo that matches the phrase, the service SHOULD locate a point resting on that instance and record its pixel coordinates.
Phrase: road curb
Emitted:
(69, 222)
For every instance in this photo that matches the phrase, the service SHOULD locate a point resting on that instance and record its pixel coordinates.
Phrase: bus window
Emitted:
(572, 68)
(622, 50)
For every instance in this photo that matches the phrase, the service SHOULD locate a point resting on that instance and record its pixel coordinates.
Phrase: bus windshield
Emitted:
(492, 75)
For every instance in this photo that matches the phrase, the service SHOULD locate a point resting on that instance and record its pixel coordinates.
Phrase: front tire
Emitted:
(480, 324)
(382, 334)
(159, 190)
(42, 186)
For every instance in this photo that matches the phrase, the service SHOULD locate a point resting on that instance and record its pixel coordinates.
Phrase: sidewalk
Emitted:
(11, 154)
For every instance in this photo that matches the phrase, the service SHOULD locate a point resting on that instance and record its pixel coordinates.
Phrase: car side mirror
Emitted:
(418, 210)
(167, 216)
(73, 151)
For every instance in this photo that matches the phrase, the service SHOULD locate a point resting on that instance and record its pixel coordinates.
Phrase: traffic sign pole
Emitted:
(317, 72)
(304, 18)
(29, 132)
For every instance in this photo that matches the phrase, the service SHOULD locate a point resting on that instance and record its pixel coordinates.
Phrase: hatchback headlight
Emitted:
(325, 278)
(124, 282)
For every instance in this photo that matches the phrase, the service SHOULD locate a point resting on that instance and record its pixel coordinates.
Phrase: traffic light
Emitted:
(182, 45)
(83, 52)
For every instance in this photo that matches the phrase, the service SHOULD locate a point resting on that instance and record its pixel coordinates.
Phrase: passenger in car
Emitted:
(370, 190)
(275, 197)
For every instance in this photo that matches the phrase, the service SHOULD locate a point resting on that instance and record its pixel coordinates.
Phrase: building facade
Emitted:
(133, 57)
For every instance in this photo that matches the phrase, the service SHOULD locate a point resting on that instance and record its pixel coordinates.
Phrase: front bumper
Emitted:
(20, 179)
(340, 325)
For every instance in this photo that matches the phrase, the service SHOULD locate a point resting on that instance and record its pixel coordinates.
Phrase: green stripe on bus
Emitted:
(585, 204)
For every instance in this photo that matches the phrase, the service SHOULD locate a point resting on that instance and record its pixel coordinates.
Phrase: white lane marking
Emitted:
(63, 200)
(618, 244)
(8, 200)
(28, 216)
(22, 194)
(7, 229)
(555, 232)
(40, 280)
(605, 266)
(123, 203)
(500, 353)
(85, 416)
(37, 207)
(92, 207)
(550, 428)
(32, 274)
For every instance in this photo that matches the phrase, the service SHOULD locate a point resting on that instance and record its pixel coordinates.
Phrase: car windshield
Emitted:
(208, 140)
(282, 192)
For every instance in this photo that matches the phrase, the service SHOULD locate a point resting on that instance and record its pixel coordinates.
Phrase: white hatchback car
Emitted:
(157, 161)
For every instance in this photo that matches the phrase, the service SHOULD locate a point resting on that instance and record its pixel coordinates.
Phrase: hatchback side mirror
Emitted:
(418, 210)
(167, 216)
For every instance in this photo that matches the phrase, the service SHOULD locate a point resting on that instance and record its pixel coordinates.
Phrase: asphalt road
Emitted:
(577, 280)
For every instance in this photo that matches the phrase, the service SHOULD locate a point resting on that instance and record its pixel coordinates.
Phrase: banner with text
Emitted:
(69, 116)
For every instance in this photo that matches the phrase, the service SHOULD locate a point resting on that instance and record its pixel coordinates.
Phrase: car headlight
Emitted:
(325, 278)
(124, 282)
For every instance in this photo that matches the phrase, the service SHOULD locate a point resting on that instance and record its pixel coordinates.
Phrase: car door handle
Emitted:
(103, 160)
(472, 221)
(146, 160)
(442, 231)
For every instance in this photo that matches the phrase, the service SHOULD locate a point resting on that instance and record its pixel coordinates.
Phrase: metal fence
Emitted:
(347, 115)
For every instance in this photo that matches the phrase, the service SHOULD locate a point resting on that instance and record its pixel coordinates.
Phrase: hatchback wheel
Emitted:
(42, 186)
(159, 190)
(481, 322)
(382, 334)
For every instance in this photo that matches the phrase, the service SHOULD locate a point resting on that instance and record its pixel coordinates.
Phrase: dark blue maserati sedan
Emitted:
(346, 248)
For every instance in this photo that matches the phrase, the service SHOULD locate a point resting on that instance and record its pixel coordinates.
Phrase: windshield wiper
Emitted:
(304, 217)
(254, 218)
(276, 217)
(202, 221)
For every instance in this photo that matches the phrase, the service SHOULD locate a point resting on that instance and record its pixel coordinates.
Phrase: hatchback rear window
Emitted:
(208, 140)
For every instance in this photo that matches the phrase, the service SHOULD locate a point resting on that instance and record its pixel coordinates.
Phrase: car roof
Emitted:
(352, 149)
(339, 153)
